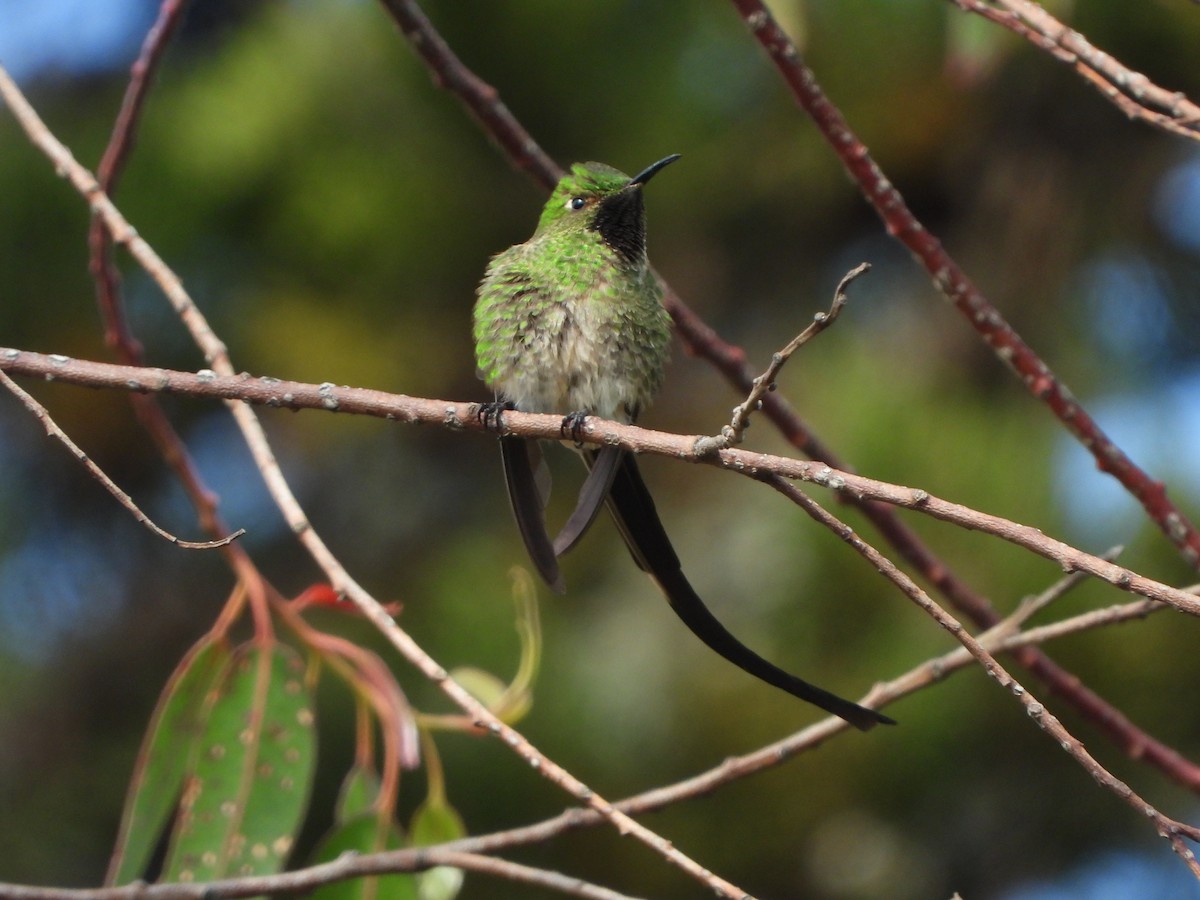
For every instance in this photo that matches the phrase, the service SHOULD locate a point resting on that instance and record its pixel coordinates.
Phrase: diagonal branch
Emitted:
(480, 98)
(1131, 92)
(765, 383)
(52, 429)
(117, 334)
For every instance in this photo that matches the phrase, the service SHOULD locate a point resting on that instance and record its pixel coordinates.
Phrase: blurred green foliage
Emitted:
(331, 210)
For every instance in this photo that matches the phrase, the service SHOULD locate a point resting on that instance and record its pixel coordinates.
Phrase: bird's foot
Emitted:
(489, 414)
(572, 424)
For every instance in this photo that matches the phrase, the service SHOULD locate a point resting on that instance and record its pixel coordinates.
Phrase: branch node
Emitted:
(708, 446)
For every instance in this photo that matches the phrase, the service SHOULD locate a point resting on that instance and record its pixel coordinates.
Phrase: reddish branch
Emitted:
(117, 333)
(108, 174)
(483, 101)
(480, 98)
(954, 283)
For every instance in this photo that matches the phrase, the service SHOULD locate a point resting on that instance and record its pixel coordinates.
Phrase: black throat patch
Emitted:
(620, 221)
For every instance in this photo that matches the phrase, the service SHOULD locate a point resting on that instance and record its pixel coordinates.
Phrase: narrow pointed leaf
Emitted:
(248, 789)
(162, 760)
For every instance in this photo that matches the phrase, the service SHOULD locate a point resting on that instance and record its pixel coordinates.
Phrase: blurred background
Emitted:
(331, 210)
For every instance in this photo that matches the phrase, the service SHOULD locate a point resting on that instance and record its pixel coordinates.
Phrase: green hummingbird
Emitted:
(572, 322)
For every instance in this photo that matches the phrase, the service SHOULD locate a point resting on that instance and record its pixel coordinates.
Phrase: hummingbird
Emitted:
(571, 322)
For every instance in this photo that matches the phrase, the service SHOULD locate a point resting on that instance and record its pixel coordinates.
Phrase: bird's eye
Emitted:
(576, 203)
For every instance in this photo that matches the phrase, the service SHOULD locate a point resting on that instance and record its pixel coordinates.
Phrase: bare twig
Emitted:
(1032, 605)
(958, 288)
(1004, 639)
(1131, 92)
(216, 356)
(522, 874)
(703, 341)
(1174, 832)
(52, 429)
(733, 433)
(345, 867)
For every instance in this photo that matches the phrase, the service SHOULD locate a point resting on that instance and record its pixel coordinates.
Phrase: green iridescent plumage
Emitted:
(572, 320)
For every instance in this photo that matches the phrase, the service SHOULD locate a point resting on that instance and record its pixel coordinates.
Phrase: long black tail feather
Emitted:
(517, 454)
(602, 468)
(636, 517)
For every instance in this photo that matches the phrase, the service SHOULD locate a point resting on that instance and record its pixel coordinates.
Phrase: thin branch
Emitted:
(1175, 832)
(521, 874)
(1003, 640)
(1032, 605)
(701, 340)
(479, 97)
(117, 334)
(240, 390)
(957, 287)
(765, 383)
(345, 867)
(1131, 92)
(254, 436)
(53, 430)
(1088, 621)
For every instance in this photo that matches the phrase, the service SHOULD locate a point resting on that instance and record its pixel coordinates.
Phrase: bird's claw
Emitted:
(490, 413)
(572, 424)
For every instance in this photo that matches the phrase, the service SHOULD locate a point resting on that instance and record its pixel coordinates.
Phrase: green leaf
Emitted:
(364, 834)
(483, 686)
(436, 822)
(162, 760)
(359, 793)
(249, 786)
